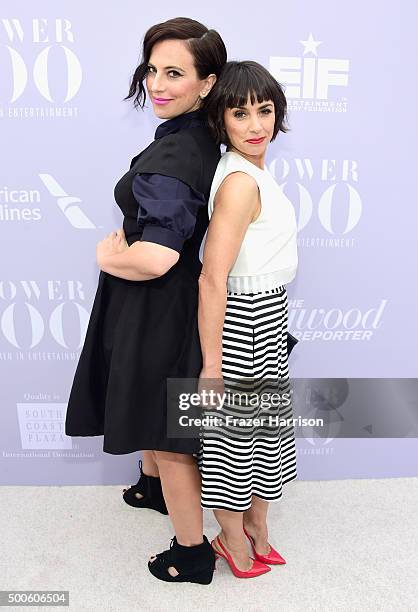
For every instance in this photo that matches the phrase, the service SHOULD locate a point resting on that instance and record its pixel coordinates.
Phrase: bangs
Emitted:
(238, 83)
(242, 84)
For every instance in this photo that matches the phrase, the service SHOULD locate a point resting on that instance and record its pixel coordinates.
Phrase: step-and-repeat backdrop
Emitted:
(348, 165)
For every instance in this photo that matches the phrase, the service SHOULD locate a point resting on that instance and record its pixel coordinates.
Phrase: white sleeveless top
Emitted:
(268, 254)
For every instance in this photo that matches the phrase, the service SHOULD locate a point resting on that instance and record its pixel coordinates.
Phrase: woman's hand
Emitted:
(211, 388)
(113, 244)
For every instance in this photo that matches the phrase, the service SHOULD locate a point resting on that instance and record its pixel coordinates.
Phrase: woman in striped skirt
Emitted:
(249, 256)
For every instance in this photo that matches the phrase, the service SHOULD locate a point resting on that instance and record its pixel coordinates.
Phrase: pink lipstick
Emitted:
(162, 100)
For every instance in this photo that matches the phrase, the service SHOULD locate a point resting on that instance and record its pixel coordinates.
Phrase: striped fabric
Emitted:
(260, 282)
(236, 463)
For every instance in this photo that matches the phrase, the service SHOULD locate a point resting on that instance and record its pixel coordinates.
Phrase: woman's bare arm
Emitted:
(141, 261)
(235, 206)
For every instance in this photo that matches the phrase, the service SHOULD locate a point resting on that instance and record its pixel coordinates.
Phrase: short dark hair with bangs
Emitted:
(237, 81)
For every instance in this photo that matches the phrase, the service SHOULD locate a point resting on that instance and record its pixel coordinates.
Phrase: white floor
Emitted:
(350, 545)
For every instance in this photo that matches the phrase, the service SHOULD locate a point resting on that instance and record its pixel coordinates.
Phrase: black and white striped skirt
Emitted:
(256, 461)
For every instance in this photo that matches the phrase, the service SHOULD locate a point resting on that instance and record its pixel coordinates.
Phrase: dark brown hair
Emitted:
(206, 46)
(237, 81)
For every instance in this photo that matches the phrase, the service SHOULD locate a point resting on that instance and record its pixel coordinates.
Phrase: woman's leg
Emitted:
(255, 522)
(149, 465)
(181, 483)
(149, 468)
(233, 538)
(180, 480)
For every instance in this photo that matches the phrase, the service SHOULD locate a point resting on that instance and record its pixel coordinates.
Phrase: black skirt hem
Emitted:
(158, 446)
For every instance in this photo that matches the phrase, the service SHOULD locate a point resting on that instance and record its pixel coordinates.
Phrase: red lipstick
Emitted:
(255, 140)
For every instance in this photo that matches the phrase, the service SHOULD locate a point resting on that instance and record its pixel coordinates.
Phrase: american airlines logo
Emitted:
(19, 205)
(312, 83)
(69, 205)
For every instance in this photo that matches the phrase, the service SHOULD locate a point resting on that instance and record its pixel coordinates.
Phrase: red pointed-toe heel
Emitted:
(256, 569)
(273, 558)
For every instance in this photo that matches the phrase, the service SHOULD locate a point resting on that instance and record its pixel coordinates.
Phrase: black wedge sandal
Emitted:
(150, 489)
(193, 563)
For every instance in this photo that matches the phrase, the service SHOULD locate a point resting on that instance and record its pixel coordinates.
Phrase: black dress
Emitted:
(142, 332)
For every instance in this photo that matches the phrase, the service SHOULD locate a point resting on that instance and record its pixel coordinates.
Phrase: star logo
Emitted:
(310, 45)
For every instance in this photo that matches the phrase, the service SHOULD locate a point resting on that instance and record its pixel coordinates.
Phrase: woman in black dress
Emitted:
(143, 325)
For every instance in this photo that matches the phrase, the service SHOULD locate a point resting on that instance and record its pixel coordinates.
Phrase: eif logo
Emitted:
(311, 78)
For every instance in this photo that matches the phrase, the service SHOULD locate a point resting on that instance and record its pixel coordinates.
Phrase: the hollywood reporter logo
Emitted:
(56, 34)
(29, 313)
(334, 323)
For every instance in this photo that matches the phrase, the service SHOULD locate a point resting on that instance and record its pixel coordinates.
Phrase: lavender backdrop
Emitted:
(348, 166)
